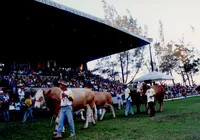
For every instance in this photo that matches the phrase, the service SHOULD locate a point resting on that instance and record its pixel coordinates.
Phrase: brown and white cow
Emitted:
(103, 100)
(83, 98)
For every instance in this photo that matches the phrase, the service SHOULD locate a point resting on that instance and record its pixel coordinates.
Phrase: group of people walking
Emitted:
(67, 113)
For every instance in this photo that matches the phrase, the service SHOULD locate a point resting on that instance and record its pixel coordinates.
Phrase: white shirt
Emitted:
(127, 93)
(150, 92)
(12, 107)
(17, 106)
(65, 101)
(119, 96)
(21, 93)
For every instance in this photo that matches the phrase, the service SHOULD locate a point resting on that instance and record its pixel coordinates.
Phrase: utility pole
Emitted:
(151, 59)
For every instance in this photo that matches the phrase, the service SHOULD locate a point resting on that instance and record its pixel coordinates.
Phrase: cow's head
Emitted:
(40, 98)
(140, 87)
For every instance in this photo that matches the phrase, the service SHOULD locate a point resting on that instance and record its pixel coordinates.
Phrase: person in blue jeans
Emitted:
(128, 102)
(66, 110)
(28, 112)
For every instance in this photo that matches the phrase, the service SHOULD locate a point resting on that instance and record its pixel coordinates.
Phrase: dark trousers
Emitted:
(18, 115)
(151, 106)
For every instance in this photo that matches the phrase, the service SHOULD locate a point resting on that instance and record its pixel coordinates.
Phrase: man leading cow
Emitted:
(128, 101)
(66, 110)
(150, 93)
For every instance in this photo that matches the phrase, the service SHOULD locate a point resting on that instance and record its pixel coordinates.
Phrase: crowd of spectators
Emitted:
(179, 90)
(18, 85)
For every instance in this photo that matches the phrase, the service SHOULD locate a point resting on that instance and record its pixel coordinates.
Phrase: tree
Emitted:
(169, 61)
(160, 46)
(185, 56)
(127, 61)
(176, 57)
(191, 68)
(130, 61)
(107, 68)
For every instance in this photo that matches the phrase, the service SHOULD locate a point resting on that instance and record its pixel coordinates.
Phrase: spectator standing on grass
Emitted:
(12, 109)
(5, 105)
(17, 109)
(119, 100)
(28, 112)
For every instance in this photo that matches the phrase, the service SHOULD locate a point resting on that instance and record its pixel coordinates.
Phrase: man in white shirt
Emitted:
(21, 93)
(66, 98)
(150, 93)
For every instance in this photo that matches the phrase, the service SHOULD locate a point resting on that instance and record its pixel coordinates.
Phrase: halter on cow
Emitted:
(83, 98)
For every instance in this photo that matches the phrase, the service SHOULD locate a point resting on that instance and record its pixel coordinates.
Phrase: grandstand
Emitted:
(42, 30)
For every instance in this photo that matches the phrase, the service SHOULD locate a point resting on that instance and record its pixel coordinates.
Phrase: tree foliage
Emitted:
(180, 58)
(168, 60)
(126, 62)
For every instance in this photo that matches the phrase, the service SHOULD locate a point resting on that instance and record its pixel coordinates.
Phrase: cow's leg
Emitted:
(147, 108)
(138, 108)
(92, 116)
(103, 113)
(155, 107)
(81, 113)
(161, 106)
(88, 112)
(112, 109)
(82, 117)
(95, 112)
(56, 127)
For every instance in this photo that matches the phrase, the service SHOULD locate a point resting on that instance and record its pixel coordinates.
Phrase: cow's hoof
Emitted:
(93, 124)
(55, 133)
(84, 127)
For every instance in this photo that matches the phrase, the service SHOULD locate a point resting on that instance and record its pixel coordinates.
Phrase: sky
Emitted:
(177, 16)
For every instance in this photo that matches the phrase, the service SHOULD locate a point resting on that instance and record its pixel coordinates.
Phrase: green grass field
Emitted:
(180, 120)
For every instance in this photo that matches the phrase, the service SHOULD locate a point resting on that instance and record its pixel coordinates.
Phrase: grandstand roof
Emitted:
(48, 30)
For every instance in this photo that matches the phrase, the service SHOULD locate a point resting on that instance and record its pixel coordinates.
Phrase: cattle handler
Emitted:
(66, 110)
(150, 93)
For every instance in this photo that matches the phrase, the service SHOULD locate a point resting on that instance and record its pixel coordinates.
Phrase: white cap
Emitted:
(148, 85)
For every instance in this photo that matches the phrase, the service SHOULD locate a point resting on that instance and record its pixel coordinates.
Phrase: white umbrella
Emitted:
(154, 76)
